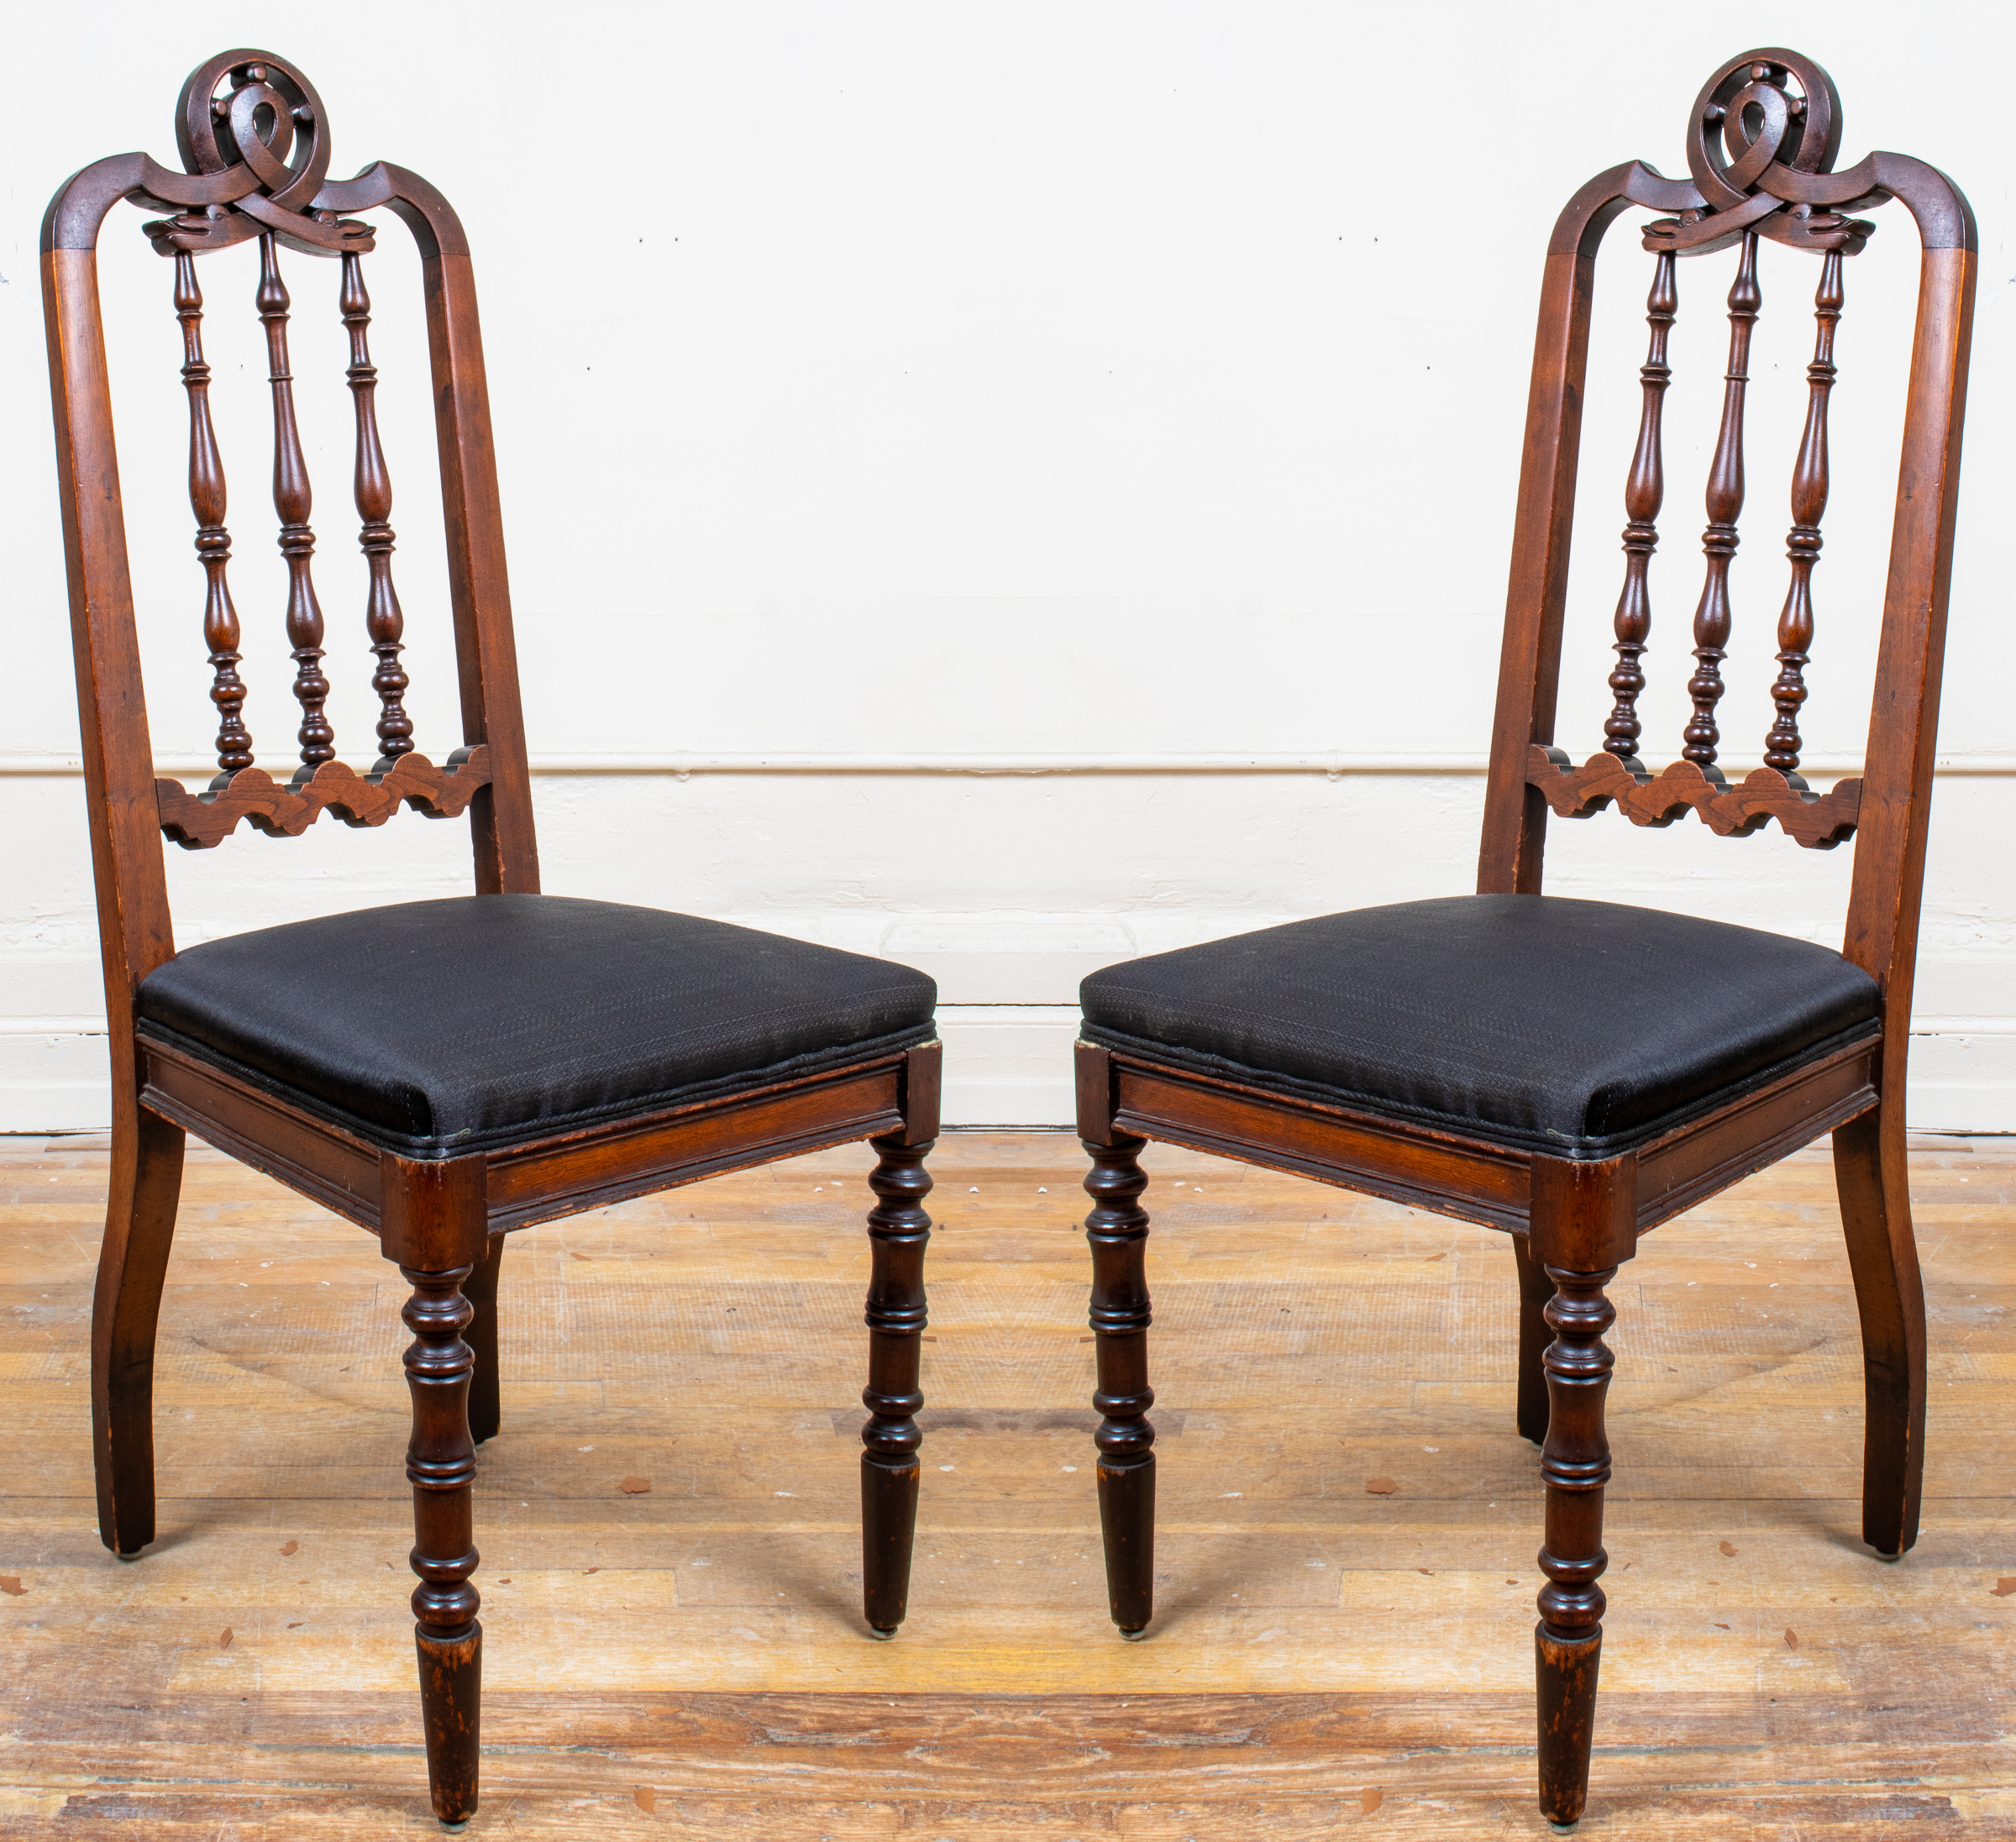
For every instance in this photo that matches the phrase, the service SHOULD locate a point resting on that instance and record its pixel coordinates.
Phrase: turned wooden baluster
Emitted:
(1724, 505)
(207, 498)
(383, 621)
(1643, 494)
(1575, 1464)
(1117, 1228)
(1809, 483)
(441, 1462)
(898, 1230)
(293, 501)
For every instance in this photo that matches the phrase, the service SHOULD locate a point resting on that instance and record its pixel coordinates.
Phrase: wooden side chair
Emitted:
(440, 1073)
(1578, 1072)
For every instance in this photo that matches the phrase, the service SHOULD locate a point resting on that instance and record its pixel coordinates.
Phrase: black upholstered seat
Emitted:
(459, 1025)
(1572, 1027)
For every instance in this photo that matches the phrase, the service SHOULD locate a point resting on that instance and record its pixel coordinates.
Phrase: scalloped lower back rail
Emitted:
(1818, 820)
(198, 821)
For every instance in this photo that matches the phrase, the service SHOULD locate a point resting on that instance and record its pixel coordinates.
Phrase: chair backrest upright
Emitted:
(1761, 150)
(254, 143)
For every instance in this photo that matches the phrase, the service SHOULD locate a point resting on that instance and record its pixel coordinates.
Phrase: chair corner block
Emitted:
(1584, 1212)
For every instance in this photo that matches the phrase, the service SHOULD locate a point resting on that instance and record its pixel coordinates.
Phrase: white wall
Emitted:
(889, 392)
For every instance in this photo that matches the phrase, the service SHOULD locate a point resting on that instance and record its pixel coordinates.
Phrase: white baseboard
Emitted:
(1008, 1064)
(1963, 1077)
(53, 1080)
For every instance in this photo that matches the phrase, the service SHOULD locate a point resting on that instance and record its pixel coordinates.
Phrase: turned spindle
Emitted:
(1643, 493)
(293, 501)
(1117, 1229)
(1809, 483)
(207, 498)
(1575, 1466)
(898, 1229)
(383, 621)
(441, 1465)
(1725, 507)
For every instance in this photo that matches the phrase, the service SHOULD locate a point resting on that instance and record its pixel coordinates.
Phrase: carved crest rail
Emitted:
(1761, 149)
(253, 130)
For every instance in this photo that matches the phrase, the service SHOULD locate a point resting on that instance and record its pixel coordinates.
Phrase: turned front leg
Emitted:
(1575, 1462)
(898, 1229)
(1117, 1229)
(441, 1461)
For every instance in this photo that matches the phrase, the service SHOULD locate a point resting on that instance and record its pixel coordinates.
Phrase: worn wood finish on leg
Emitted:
(1575, 1464)
(434, 1226)
(1535, 1335)
(140, 1226)
(1117, 1229)
(441, 1463)
(1889, 1297)
(899, 1230)
(486, 1403)
(745, 1692)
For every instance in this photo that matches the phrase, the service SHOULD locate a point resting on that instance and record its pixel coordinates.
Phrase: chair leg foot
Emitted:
(1126, 1523)
(146, 1186)
(899, 1230)
(1117, 1229)
(1566, 1685)
(1889, 1296)
(889, 1533)
(451, 1697)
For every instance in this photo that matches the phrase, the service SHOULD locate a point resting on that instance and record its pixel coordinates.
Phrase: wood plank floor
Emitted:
(690, 1663)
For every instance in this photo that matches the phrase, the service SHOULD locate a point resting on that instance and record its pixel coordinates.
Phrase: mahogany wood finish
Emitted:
(208, 499)
(1763, 144)
(1535, 1289)
(486, 1403)
(382, 619)
(1117, 1230)
(1818, 821)
(1575, 1462)
(899, 1230)
(1724, 505)
(253, 138)
(198, 821)
(1803, 544)
(293, 499)
(1644, 492)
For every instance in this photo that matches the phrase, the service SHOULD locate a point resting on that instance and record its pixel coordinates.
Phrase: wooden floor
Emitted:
(690, 1662)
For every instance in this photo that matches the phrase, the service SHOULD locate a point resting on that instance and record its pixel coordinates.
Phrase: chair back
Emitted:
(1760, 149)
(255, 148)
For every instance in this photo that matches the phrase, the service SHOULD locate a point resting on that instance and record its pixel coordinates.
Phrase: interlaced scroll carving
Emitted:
(1809, 483)
(269, 125)
(1643, 493)
(208, 500)
(1724, 505)
(382, 618)
(1762, 125)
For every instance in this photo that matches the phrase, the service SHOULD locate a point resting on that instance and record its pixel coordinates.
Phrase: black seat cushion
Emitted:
(1572, 1027)
(447, 1026)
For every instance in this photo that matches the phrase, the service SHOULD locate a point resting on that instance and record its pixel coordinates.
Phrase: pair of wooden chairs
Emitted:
(444, 1073)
